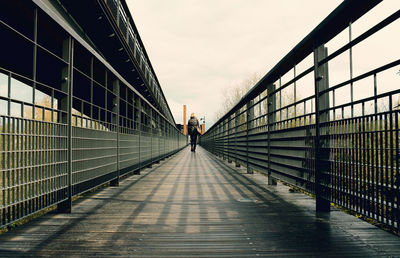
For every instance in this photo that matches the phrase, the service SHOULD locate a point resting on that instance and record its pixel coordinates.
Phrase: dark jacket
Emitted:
(193, 123)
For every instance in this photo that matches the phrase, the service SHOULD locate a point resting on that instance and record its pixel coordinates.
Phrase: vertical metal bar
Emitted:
(294, 90)
(321, 103)
(390, 162)
(91, 87)
(24, 176)
(127, 29)
(249, 126)
(381, 170)
(222, 141)
(151, 137)
(341, 161)
(3, 173)
(271, 120)
(160, 136)
(385, 146)
(237, 130)
(35, 24)
(118, 14)
(116, 123)
(352, 153)
(369, 170)
(18, 168)
(347, 164)
(375, 163)
(7, 178)
(229, 135)
(359, 164)
(334, 104)
(397, 179)
(280, 99)
(140, 132)
(338, 175)
(364, 163)
(14, 167)
(67, 87)
(356, 171)
(375, 94)
(351, 71)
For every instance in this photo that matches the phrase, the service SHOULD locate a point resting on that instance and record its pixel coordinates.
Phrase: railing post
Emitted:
(127, 29)
(322, 179)
(66, 117)
(218, 140)
(249, 127)
(158, 130)
(151, 138)
(228, 135)
(271, 119)
(237, 129)
(139, 107)
(224, 136)
(115, 122)
(118, 14)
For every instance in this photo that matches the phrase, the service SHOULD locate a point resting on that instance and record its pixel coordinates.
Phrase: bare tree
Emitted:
(232, 94)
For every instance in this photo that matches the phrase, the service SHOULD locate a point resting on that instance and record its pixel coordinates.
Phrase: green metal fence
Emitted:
(68, 121)
(327, 122)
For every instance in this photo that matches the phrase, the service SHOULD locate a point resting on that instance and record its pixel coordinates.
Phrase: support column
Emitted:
(271, 119)
(139, 118)
(224, 140)
(115, 122)
(66, 118)
(237, 130)
(229, 133)
(322, 178)
(250, 126)
(158, 124)
(150, 111)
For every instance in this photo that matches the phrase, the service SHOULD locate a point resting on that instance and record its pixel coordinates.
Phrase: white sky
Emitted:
(198, 48)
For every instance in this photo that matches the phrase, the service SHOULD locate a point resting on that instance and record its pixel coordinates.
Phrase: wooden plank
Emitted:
(195, 205)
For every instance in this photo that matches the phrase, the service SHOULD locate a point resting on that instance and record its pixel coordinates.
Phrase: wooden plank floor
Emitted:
(195, 205)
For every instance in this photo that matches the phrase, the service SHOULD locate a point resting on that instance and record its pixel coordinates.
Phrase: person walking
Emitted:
(193, 130)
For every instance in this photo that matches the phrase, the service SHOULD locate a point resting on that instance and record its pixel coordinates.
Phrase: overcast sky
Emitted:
(198, 48)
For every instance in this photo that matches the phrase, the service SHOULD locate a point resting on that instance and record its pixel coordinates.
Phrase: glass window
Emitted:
(38, 114)
(42, 99)
(3, 107)
(3, 85)
(28, 111)
(21, 91)
(15, 109)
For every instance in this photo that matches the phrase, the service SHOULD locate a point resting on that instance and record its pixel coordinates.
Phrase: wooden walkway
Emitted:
(195, 205)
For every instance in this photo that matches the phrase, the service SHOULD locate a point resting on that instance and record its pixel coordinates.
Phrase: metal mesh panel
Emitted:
(94, 154)
(33, 172)
(340, 141)
(69, 126)
(129, 150)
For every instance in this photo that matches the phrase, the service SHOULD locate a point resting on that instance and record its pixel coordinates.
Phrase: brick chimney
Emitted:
(184, 120)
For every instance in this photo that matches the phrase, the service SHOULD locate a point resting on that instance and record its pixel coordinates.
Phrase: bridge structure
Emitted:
(81, 108)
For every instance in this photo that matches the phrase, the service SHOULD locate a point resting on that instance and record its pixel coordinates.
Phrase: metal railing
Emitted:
(68, 121)
(331, 132)
(124, 24)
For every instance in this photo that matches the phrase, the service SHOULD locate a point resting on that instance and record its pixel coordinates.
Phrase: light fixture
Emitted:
(111, 35)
